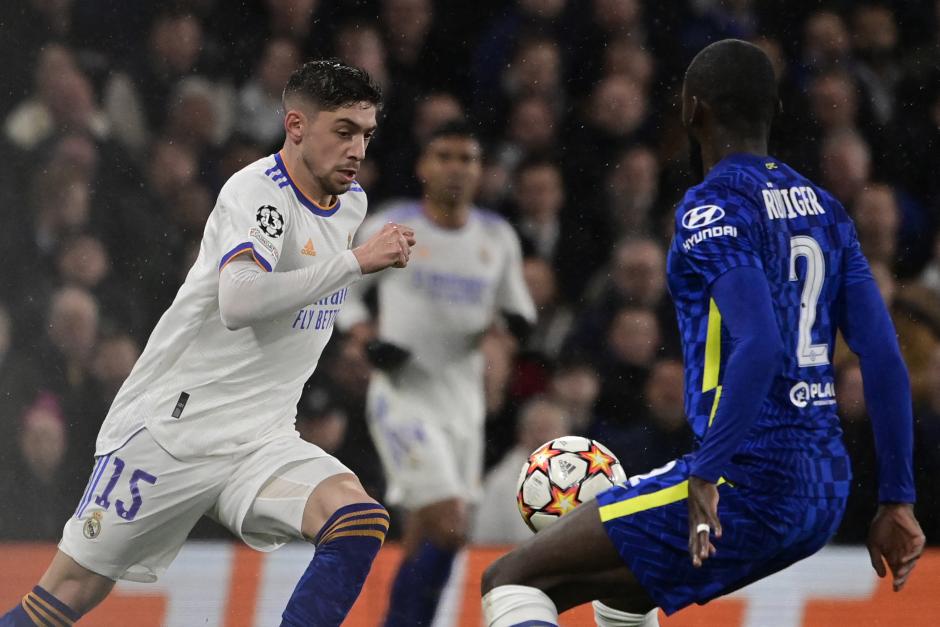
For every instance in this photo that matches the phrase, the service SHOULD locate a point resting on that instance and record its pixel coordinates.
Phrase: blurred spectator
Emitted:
(931, 274)
(549, 229)
(875, 39)
(635, 277)
(407, 27)
(576, 386)
(260, 116)
(633, 340)
(625, 56)
(918, 333)
(361, 44)
(833, 101)
(201, 115)
(604, 22)
(877, 220)
(84, 262)
(630, 193)
(554, 317)
(615, 118)
(532, 131)
(712, 20)
(398, 150)
(662, 433)
(70, 341)
(35, 499)
(892, 227)
(138, 96)
(320, 420)
(536, 70)
(63, 100)
(17, 383)
(845, 161)
(498, 521)
(826, 43)
(520, 18)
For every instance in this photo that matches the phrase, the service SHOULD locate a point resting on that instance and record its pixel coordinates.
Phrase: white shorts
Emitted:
(141, 502)
(425, 460)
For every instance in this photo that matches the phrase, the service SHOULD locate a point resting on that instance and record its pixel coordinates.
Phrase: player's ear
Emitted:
(294, 123)
(694, 114)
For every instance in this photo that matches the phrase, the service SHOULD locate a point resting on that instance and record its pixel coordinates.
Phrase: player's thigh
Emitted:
(269, 491)
(137, 510)
(573, 562)
(418, 454)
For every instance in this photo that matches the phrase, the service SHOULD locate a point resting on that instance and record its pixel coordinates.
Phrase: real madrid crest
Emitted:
(92, 527)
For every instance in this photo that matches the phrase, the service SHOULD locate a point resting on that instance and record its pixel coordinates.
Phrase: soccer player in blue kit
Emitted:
(764, 267)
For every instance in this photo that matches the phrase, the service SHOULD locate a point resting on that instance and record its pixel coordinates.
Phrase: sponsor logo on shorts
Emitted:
(92, 527)
(818, 393)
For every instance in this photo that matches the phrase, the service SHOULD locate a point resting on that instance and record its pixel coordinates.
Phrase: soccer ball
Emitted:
(562, 474)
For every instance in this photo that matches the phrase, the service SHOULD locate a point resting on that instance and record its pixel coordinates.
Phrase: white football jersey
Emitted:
(202, 389)
(439, 306)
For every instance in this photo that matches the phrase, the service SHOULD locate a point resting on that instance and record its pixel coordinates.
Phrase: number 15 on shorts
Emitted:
(117, 467)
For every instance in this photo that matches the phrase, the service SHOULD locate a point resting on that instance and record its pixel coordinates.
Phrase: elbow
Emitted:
(231, 320)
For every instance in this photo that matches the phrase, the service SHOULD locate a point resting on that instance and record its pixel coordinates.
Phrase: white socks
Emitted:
(505, 606)
(609, 617)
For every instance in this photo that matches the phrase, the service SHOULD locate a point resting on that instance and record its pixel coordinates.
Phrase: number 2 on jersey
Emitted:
(807, 353)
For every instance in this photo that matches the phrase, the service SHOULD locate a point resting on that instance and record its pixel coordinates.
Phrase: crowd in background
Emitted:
(120, 121)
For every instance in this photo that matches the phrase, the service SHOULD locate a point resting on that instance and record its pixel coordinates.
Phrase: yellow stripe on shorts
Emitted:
(644, 502)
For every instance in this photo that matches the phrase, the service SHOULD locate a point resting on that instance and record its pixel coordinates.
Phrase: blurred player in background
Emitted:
(425, 402)
(204, 424)
(764, 268)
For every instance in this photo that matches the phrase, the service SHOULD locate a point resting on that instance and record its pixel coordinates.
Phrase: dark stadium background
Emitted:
(119, 122)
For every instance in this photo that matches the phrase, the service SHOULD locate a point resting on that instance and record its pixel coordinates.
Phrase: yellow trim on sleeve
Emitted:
(712, 348)
(643, 502)
(711, 416)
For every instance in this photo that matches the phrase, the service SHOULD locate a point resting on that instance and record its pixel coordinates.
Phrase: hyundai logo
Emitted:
(697, 217)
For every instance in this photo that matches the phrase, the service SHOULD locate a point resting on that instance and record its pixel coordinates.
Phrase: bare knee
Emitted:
(329, 496)
(504, 571)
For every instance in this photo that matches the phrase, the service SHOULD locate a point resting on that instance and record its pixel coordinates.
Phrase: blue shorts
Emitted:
(647, 521)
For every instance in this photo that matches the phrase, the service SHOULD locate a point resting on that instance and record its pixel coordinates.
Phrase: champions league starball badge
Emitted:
(270, 220)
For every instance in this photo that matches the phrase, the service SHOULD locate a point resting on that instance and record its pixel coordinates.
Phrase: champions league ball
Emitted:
(562, 474)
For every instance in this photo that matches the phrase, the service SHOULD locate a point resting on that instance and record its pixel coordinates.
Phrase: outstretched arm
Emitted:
(895, 535)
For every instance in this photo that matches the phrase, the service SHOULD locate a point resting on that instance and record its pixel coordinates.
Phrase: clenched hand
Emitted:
(390, 247)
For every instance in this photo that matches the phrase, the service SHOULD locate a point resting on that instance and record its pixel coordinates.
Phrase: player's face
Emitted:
(334, 144)
(450, 169)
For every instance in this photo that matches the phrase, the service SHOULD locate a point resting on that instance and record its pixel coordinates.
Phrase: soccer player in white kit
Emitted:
(425, 404)
(204, 424)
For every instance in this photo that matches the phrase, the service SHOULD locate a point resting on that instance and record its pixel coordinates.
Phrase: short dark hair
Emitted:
(330, 84)
(453, 128)
(737, 81)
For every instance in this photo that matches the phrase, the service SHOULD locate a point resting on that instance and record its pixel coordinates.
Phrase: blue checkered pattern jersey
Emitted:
(757, 212)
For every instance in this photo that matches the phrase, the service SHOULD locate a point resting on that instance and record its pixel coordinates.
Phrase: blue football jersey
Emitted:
(758, 212)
